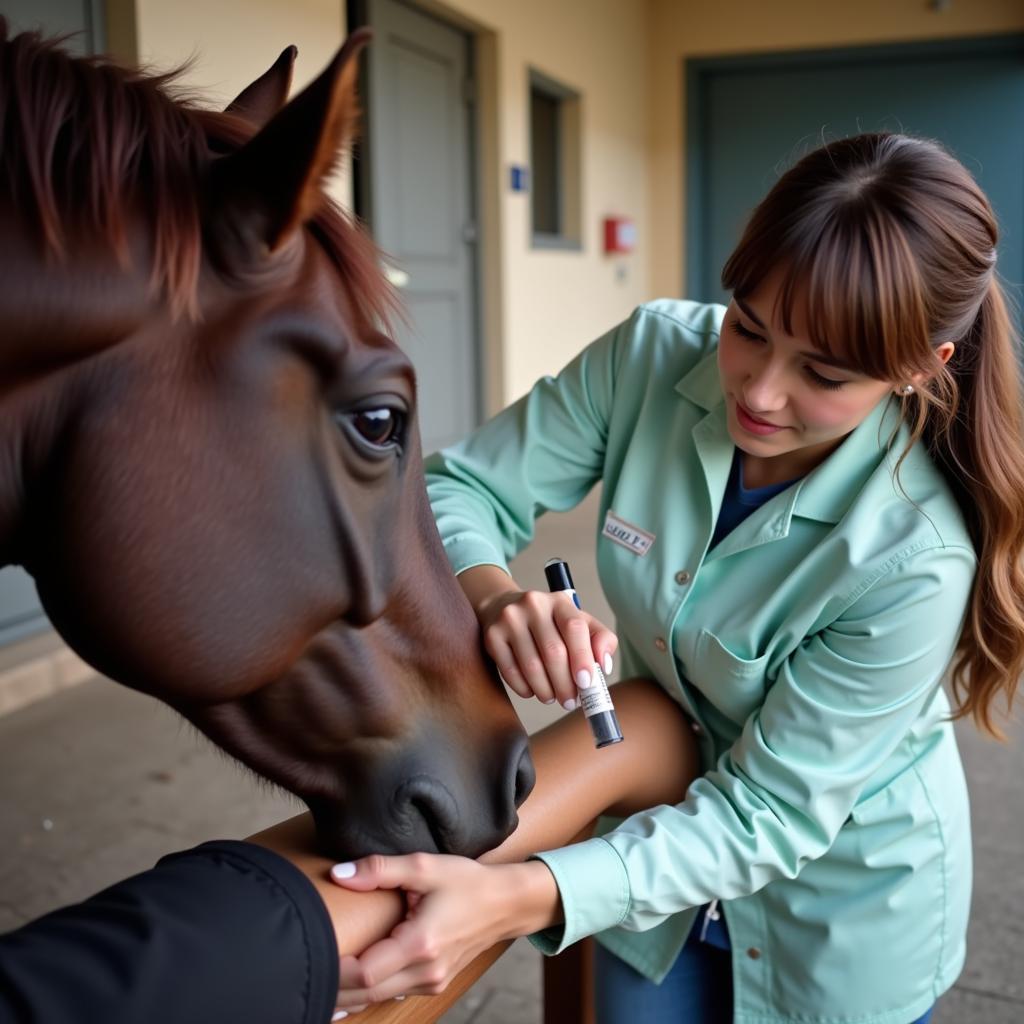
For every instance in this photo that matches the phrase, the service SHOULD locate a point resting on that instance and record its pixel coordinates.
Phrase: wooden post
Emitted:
(427, 1009)
(569, 985)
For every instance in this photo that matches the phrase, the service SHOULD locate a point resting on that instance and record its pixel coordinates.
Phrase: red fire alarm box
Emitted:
(619, 234)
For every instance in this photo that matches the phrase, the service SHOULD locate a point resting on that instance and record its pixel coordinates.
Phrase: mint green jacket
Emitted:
(807, 649)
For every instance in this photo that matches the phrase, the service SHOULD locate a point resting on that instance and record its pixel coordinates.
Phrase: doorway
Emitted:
(414, 179)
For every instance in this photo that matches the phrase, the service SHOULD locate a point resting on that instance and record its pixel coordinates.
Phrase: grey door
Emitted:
(749, 117)
(20, 611)
(415, 189)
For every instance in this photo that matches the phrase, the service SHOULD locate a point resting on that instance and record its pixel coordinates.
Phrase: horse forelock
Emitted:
(86, 143)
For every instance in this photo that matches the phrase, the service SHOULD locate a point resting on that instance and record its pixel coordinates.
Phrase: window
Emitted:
(554, 164)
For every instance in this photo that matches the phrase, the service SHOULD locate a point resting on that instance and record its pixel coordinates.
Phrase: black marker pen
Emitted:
(595, 699)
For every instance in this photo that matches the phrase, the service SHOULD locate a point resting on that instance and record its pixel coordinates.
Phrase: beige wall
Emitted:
(691, 28)
(234, 41)
(550, 303)
(230, 42)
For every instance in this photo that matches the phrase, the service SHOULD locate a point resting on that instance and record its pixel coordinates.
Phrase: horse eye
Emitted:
(380, 427)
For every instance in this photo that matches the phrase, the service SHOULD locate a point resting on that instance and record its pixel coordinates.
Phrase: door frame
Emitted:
(700, 71)
(488, 375)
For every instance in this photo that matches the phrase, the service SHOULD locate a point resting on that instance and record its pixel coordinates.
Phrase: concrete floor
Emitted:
(99, 782)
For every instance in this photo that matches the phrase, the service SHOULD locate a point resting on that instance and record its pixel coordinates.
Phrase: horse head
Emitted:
(210, 460)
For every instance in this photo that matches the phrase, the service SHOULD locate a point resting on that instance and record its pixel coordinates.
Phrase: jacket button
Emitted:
(697, 730)
(682, 577)
(754, 953)
(659, 642)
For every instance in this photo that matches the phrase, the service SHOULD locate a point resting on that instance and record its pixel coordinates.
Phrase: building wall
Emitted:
(228, 44)
(680, 29)
(540, 306)
(627, 63)
(553, 302)
(234, 41)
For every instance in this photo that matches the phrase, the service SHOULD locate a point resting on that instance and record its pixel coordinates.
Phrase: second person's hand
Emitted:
(457, 909)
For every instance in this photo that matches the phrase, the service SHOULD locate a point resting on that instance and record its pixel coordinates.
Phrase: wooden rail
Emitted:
(575, 784)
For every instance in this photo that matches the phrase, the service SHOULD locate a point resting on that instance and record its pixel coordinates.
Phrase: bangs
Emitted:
(848, 269)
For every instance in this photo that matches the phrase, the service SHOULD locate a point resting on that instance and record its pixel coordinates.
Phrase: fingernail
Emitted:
(607, 664)
(340, 1015)
(550, 700)
(569, 705)
(583, 679)
(345, 870)
(398, 999)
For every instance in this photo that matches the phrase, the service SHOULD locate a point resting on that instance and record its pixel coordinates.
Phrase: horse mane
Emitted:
(85, 142)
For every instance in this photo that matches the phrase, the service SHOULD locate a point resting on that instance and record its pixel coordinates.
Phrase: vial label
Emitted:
(595, 698)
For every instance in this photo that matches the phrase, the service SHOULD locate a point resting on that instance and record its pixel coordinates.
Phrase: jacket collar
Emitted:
(828, 491)
(702, 385)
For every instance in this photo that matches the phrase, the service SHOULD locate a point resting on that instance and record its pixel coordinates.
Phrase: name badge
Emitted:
(629, 536)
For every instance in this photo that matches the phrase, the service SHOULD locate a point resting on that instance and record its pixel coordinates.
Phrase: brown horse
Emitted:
(210, 462)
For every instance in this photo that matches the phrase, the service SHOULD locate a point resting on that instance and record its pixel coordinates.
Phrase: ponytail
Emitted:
(975, 437)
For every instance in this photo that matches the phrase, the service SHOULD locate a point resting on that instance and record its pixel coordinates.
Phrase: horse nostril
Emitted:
(525, 776)
(426, 813)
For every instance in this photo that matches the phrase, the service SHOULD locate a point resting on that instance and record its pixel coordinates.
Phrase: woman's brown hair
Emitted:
(889, 244)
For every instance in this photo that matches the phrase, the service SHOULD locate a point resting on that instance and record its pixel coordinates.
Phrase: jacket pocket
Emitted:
(736, 686)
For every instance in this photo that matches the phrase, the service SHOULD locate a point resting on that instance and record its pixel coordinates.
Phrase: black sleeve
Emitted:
(225, 932)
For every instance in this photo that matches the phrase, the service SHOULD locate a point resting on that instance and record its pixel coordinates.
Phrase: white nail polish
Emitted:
(569, 705)
(550, 700)
(340, 1015)
(607, 664)
(398, 999)
(583, 679)
(345, 870)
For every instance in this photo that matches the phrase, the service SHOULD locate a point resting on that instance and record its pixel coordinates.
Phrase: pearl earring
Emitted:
(906, 389)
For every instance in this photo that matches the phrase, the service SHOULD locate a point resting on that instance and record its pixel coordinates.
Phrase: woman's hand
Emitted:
(457, 909)
(543, 645)
(575, 783)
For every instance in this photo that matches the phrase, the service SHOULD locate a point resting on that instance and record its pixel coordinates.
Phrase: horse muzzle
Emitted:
(448, 806)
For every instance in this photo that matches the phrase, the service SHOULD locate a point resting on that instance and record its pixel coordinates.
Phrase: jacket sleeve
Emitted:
(841, 704)
(228, 931)
(544, 452)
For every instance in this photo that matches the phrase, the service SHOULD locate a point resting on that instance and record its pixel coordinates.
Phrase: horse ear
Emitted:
(273, 184)
(260, 101)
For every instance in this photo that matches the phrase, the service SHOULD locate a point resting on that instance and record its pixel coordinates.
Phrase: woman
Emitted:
(827, 478)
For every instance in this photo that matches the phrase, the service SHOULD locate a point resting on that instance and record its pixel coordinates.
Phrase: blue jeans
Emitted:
(697, 990)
